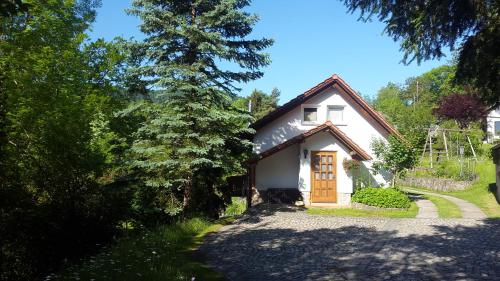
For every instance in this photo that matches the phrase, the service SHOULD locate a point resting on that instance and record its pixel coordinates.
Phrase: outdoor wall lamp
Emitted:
(305, 153)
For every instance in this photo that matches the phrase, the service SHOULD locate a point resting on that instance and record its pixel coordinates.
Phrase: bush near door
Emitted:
(381, 197)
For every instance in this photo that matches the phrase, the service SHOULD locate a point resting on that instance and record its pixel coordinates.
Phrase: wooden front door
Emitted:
(324, 176)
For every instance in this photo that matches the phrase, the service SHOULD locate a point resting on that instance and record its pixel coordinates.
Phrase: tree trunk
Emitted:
(187, 194)
(395, 175)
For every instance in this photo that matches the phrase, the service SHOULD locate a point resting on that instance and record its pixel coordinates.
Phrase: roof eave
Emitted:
(327, 126)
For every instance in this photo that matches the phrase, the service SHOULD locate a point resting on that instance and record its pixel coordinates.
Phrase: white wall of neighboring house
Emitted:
(491, 119)
(277, 172)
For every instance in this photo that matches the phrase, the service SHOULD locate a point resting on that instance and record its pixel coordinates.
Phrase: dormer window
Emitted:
(336, 114)
(309, 114)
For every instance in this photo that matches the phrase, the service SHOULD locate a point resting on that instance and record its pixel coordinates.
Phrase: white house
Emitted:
(328, 123)
(493, 124)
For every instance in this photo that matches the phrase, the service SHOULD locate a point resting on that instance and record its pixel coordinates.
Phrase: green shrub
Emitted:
(237, 207)
(456, 169)
(381, 197)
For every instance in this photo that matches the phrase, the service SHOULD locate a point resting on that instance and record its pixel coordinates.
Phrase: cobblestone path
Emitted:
(285, 243)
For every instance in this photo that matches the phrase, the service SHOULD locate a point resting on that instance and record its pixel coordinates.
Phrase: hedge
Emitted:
(381, 197)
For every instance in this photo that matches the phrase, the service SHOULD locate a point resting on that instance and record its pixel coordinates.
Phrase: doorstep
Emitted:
(327, 205)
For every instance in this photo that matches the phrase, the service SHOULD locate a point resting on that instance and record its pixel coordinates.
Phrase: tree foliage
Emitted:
(193, 137)
(463, 108)
(413, 106)
(58, 100)
(260, 103)
(10, 8)
(395, 156)
(409, 110)
(425, 28)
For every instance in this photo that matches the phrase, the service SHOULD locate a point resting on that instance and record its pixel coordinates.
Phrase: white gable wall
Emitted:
(493, 116)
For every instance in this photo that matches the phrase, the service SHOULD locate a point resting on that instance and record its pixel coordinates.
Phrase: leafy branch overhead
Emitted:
(425, 28)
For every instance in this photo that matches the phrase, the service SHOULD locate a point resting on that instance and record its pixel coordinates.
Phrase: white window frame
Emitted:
(304, 122)
(342, 107)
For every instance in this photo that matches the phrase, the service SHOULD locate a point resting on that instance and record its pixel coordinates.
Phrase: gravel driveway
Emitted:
(285, 243)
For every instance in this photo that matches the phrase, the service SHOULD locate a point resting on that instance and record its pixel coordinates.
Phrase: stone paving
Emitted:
(285, 243)
(426, 209)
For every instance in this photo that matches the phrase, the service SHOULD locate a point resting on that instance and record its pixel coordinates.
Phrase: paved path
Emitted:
(469, 210)
(287, 244)
(426, 209)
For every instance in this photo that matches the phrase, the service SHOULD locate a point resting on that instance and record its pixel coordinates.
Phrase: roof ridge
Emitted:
(334, 78)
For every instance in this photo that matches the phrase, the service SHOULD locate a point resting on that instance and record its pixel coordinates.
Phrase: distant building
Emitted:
(493, 124)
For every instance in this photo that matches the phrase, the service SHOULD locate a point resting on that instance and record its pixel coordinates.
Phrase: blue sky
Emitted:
(313, 40)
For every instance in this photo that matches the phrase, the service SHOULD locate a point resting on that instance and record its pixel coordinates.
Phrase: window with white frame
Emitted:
(310, 114)
(336, 114)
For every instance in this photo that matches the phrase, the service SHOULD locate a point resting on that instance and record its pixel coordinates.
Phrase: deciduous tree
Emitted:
(463, 108)
(58, 89)
(395, 156)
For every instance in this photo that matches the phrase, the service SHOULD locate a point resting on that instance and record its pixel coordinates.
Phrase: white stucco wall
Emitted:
(280, 170)
(356, 127)
(324, 142)
(493, 116)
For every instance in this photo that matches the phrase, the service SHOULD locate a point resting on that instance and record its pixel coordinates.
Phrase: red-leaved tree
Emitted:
(463, 108)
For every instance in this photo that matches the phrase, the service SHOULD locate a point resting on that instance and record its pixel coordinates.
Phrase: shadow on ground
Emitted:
(269, 245)
(492, 188)
(264, 210)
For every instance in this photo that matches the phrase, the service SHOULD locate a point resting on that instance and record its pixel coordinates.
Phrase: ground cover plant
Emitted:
(162, 253)
(165, 252)
(456, 169)
(381, 197)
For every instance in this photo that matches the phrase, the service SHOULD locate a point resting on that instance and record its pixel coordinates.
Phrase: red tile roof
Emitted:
(345, 90)
(326, 127)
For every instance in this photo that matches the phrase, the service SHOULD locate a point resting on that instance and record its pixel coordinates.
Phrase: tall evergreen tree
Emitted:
(193, 137)
(263, 103)
(259, 103)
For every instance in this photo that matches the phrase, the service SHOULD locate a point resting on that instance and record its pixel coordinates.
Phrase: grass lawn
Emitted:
(446, 208)
(349, 212)
(162, 253)
(479, 193)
